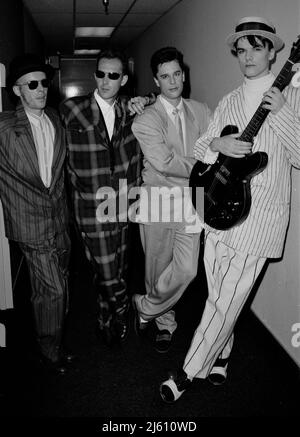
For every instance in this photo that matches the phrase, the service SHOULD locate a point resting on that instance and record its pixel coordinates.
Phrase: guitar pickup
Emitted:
(221, 178)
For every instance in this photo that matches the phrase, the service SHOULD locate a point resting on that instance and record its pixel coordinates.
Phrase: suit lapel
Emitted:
(59, 148)
(191, 128)
(97, 120)
(24, 145)
(118, 120)
(121, 143)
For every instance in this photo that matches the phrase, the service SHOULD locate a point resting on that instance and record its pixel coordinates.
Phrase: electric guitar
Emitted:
(226, 183)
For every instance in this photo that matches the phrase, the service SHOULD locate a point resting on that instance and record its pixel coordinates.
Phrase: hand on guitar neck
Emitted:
(273, 100)
(231, 146)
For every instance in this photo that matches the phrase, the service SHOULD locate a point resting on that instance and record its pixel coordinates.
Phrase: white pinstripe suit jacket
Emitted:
(263, 232)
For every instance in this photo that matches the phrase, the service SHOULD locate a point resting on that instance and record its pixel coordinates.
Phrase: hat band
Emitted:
(254, 26)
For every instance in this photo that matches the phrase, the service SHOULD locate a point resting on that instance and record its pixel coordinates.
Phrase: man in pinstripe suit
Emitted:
(32, 155)
(235, 257)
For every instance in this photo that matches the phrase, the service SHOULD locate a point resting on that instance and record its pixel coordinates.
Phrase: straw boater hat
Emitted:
(255, 26)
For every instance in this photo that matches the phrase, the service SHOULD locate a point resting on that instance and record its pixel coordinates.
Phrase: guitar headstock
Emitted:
(295, 51)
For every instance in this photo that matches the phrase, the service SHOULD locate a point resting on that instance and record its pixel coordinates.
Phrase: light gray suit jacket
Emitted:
(165, 164)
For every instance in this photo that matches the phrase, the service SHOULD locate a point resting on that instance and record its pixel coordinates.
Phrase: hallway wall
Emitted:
(199, 30)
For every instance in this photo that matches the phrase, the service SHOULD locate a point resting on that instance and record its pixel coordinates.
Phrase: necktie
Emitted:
(178, 124)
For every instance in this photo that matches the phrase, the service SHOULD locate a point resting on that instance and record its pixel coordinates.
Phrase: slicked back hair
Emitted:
(113, 54)
(165, 54)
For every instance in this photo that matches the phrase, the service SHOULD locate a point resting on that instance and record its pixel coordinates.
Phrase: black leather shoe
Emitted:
(171, 389)
(121, 325)
(67, 356)
(218, 373)
(162, 341)
(57, 367)
(106, 334)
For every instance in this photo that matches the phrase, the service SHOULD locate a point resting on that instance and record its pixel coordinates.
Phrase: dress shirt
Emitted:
(108, 112)
(43, 135)
(172, 114)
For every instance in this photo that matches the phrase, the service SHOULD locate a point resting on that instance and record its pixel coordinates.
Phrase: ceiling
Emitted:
(57, 19)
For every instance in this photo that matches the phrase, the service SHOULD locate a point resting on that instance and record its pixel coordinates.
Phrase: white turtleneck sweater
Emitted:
(253, 90)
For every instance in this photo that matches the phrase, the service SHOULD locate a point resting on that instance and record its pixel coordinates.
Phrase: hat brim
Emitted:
(45, 68)
(277, 42)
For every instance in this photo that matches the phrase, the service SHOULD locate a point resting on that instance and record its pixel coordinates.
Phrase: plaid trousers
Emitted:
(107, 252)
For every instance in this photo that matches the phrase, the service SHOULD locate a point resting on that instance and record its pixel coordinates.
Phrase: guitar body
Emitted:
(226, 183)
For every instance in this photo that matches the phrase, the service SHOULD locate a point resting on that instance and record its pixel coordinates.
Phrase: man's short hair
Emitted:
(113, 54)
(165, 54)
(252, 41)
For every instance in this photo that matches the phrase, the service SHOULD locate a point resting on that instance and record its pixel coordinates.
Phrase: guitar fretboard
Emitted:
(281, 81)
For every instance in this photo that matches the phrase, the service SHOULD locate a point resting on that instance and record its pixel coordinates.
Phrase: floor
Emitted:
(123, 380)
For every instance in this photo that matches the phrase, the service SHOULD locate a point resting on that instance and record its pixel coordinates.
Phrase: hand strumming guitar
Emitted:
(229, 145)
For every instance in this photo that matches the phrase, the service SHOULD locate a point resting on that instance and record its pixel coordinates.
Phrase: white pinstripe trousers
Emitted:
(48, 270)
(230, 278)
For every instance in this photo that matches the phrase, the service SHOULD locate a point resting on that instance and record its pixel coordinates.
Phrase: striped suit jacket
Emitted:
(165, 162)
(96, 162)
(263, 232)
(32, 212)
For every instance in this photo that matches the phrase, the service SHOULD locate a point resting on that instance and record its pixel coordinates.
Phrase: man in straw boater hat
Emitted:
(234, 258)
(32, 155)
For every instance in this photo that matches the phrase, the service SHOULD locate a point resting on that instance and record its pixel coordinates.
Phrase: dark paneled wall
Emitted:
(33, 40)
(18, 34)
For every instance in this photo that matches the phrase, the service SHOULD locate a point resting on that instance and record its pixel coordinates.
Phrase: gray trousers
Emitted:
(171, 263)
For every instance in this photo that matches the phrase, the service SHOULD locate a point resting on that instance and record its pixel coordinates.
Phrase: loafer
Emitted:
(162, 341)
(218, 373)
(177, 383)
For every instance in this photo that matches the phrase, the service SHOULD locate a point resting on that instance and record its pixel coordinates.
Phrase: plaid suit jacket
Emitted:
(95, 162)
(32, 212)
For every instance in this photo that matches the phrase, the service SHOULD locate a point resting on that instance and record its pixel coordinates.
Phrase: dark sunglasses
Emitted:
(33, 84)
(101, 74)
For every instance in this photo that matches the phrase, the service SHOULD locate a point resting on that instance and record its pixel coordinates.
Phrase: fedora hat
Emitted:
(27, 63)
(255, 26)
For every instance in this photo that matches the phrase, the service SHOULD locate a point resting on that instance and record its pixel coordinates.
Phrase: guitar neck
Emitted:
(261, 113)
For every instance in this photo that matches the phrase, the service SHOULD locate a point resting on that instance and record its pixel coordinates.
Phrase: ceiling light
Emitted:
(86, 52)
(103, 32)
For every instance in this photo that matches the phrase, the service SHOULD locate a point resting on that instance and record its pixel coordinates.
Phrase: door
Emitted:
(6, 299)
